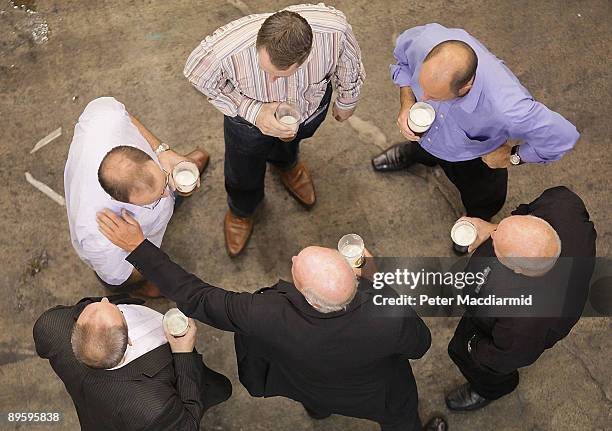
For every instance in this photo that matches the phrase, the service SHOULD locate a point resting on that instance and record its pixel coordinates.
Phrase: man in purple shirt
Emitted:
(482, 113)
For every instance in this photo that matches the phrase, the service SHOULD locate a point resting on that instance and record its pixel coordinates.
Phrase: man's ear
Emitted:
(464, 90)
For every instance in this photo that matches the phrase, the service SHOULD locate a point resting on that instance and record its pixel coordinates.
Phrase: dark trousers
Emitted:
(400, 423)
(483, 190)
(400, 413)
(127, 286)
(405, 422)
(485, 382)
(247, 151)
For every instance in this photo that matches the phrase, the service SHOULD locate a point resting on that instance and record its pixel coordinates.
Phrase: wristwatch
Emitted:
(161, 148)
(515, 158)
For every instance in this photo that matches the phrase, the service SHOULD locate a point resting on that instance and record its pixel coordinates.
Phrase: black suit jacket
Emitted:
(159, 391)
(352, 362)
(504, 344)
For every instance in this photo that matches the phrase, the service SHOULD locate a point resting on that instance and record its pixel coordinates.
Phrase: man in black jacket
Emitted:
(320, 341)
(122, 372)
(546, 247)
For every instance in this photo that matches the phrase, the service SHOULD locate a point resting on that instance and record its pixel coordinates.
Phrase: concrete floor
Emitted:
(135, 51)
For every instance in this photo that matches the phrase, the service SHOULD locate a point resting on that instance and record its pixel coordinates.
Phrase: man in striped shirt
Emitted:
(251, 65)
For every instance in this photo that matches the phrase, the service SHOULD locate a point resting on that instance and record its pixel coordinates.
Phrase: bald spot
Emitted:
(118, 168)
(325, 273)
(445, 63)
(99, 318)
(525, 236)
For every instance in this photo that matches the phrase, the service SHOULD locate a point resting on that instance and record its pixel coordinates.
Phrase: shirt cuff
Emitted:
(184, 362)
(249, 109)
(142, 253)
(346, 105)
(400, 75)
(528, 154)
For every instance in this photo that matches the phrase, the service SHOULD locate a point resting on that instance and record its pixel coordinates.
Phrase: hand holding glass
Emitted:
(288, 114)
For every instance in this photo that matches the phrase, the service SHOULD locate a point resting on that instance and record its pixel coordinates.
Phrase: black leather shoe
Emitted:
(394, 158)
(437, 423)
(464, 399)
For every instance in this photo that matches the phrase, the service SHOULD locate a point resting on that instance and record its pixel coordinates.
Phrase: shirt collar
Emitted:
(298, 300)
(469, 102)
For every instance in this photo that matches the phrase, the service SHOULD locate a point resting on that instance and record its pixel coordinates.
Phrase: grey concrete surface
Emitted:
(135, 51)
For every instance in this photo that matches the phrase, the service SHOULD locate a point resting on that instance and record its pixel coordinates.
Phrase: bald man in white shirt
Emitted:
(114, 162)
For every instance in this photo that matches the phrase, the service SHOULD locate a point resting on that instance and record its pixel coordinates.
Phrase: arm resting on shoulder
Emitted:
(225, 310)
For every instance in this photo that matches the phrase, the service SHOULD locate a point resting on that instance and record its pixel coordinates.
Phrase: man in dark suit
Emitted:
(119, 370)
(546, 247)
(320, 341)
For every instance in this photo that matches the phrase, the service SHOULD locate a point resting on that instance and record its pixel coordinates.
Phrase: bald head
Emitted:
(448, 70)
(526, 244)
(325, 278)
(99, 336)
(127, 172)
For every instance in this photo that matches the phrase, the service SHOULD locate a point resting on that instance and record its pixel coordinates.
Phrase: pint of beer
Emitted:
(185, 176)
(352, 248)
(175, 322)
(421, 117)
(289, 114)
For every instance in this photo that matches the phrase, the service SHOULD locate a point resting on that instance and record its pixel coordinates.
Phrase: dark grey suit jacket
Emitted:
(157, 391)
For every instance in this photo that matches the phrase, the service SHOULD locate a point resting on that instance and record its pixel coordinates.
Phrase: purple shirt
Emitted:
(496, 108)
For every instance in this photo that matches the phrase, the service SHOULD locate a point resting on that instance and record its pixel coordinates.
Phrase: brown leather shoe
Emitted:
(200, 158)
(298, 182)
(148, 290)
(237, 232)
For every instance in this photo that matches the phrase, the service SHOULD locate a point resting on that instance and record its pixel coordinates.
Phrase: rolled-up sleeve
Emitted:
(402, 71)
(205, 72)
(546, 135)
(350, 73)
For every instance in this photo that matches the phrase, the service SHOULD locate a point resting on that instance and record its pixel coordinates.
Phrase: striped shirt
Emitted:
(225, 68)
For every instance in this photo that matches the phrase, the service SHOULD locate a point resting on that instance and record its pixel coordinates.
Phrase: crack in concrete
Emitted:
(582, 362)
(369, 133)
(437, 180)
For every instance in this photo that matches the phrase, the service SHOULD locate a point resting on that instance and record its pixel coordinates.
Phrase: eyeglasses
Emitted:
(154, 204)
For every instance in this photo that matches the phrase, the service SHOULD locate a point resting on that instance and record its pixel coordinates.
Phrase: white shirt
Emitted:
(145, 331)
(103, 125)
